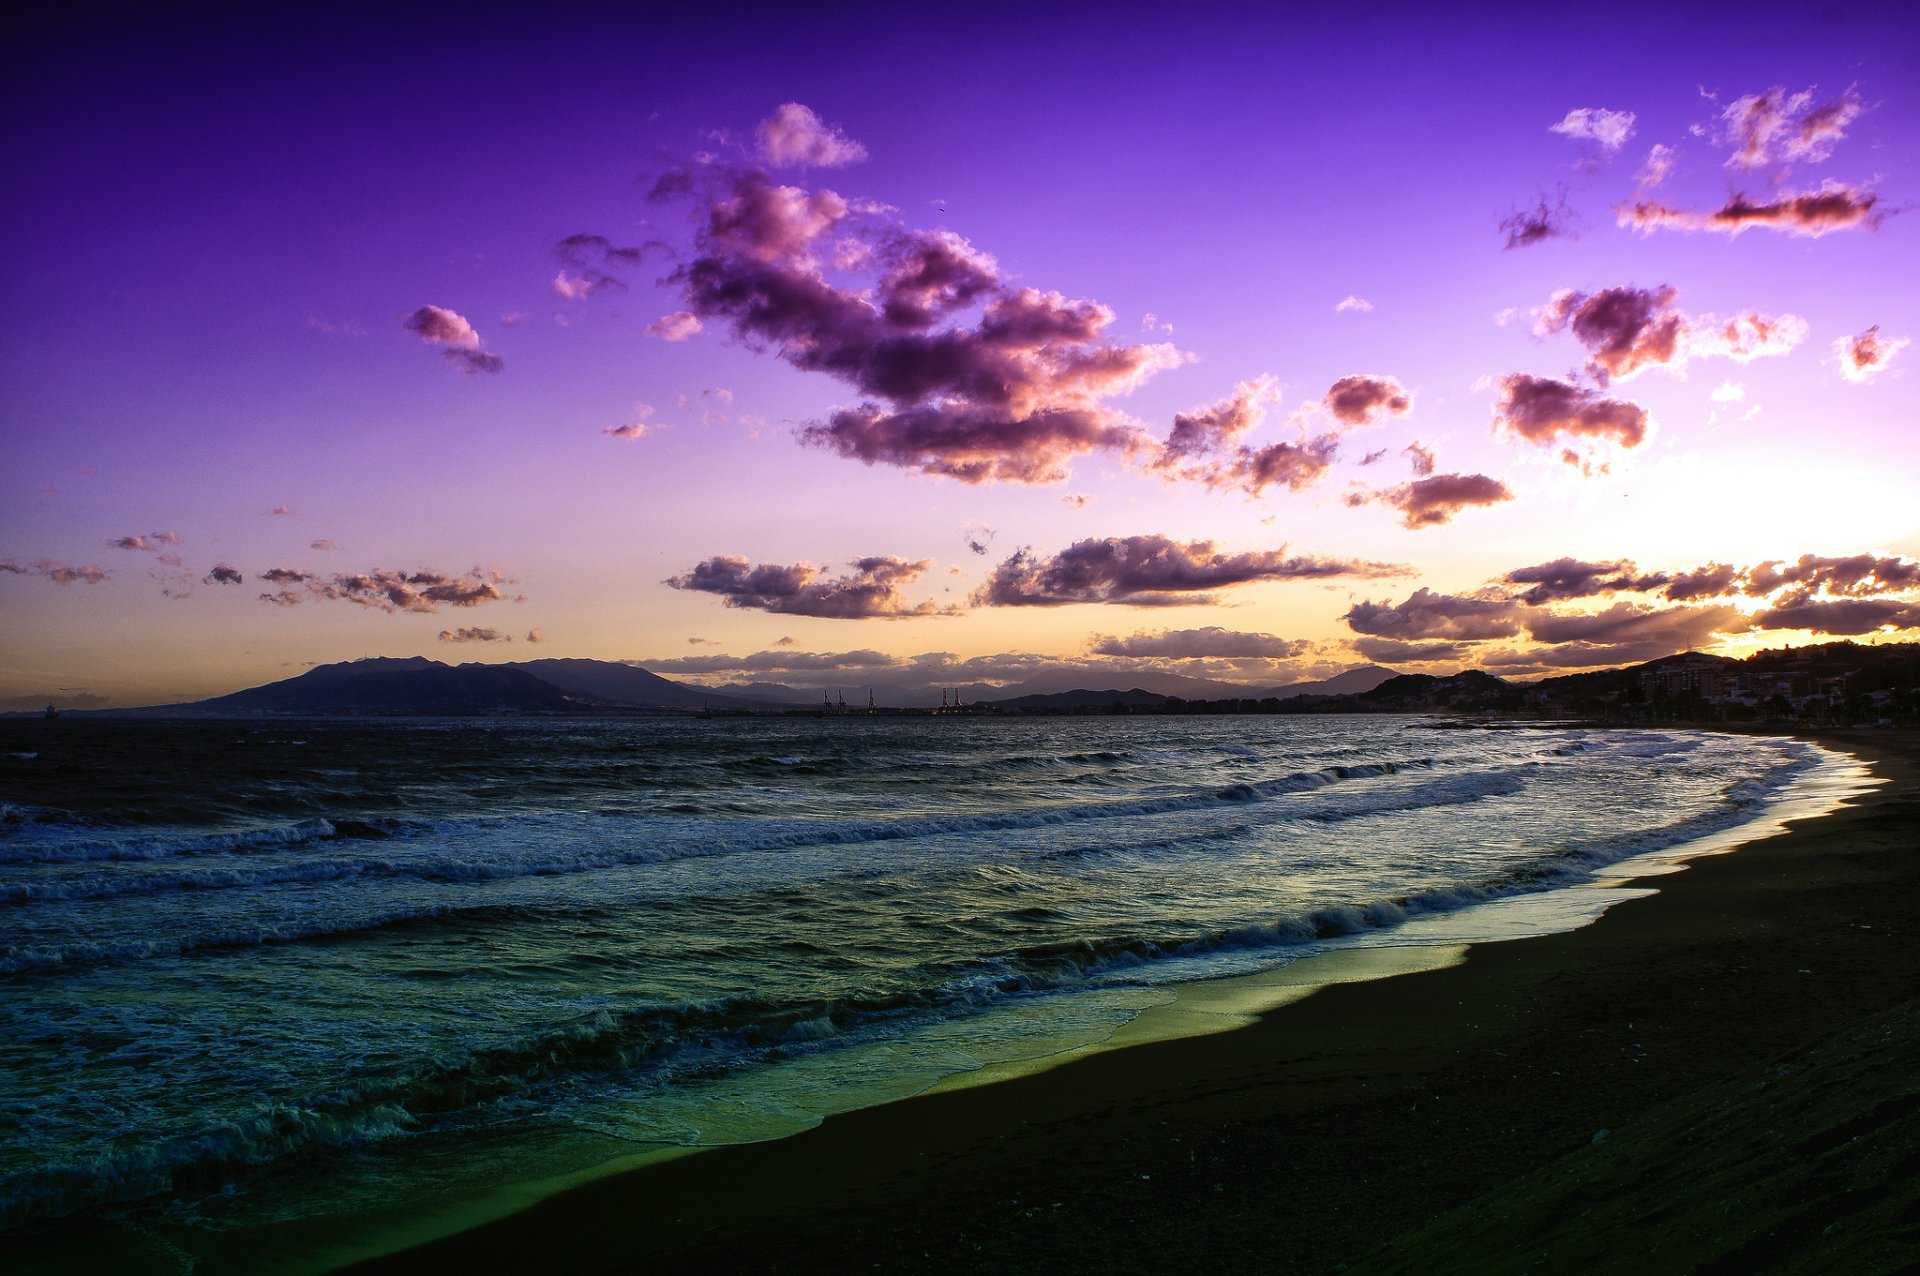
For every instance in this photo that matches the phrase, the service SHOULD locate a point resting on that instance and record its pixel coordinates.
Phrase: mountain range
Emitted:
(418, 685)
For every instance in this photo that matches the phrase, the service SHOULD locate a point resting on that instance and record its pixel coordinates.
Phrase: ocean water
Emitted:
(253, 973)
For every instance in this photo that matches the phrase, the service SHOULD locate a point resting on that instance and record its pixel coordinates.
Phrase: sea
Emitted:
(313, 988)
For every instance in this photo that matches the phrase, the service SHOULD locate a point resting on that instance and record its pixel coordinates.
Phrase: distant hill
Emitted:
(1351, 683)
(1078, 699)
(624, 684)
(414, 685)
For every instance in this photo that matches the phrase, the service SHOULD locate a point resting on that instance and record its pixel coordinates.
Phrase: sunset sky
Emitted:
(956, 345)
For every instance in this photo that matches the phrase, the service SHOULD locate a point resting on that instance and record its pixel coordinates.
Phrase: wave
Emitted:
(695, 840)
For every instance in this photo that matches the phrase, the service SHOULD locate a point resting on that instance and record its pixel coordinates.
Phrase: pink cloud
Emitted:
(223, 574)
(1419, 457)
(794, 137)
(1352, 302)
(455, 338)
(1014, 396)
(1210, 642)
(678, 326)
(57, 572)
(1541, 410)
(1778, 127)
(384, 589)
(1426, 615)
(1609, 130)
(150, 543)
(1565, 578)
(1626, 330)
(1431, 502)
(1835, 206)
(1151, 571)
(872, 590)
(1366, 400)
(636, 428)
(474, 635)
(1861, 358)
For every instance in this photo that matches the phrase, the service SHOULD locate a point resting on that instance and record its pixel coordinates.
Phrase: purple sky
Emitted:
(954, 349)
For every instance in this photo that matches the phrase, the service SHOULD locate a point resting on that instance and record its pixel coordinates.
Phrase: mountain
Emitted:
(1080, 698)
(1351, 683)
(630, 685)
(414, 685)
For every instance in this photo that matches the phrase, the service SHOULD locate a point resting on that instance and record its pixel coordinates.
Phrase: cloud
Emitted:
(794, 137)
(1835, 206)
(1151, 571)
(1609, 130)
(1426, 615)
(1627, 329)
(1211, 641)
(1431, 502)
(594, 259)
(57, 572)
(222, 574)
(1366, 400)
(1626, 631)
(536, 635)
(455, 338)
(1541, 409)
(776, 662)
(1204, 443)
(1352, 302)
(1862, 357)
(978, 537)
(151, 543)
(384, 589)
(1419, 457)
(1658, 167)
(1525, 227)
(1206, 430)
(324, 543)
(475, 635)
(801, 589)
(1393, 651)
(424, 590)
(281, 511)
(636, 428)
(1845, 616)
(1710, 581)
(1012, 396)
(1777, 127)
(1856, 575)
(1565, 578)
(678, 326)
(1728, 391)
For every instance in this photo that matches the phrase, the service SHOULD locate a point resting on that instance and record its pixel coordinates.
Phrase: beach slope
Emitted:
(1724, 1076)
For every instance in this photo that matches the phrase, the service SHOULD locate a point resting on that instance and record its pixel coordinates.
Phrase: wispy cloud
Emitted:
(1353, 303)
(1607, 130)
(474, 635)
(1781, 128)
(1549, 218)
(1835, 206)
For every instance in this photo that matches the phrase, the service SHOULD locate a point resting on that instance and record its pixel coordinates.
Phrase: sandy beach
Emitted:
(1717, 1077)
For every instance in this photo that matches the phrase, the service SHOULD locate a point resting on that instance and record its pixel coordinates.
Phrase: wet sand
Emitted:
(1721, 1077)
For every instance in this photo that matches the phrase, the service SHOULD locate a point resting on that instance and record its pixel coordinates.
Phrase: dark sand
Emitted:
(1748, 1039)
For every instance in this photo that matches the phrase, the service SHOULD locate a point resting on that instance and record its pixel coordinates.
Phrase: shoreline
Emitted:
(1295, 1138)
